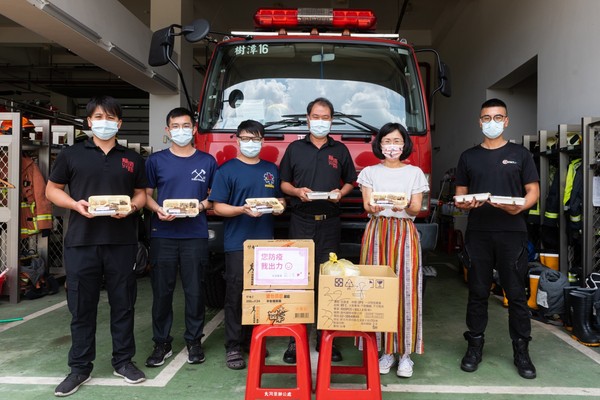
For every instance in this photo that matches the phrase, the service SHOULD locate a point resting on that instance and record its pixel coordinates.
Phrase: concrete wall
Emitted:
(540, 56)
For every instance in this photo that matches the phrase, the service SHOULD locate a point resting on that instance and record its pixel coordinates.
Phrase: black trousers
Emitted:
(237, 335)
(86, 266)
(326, 234)
(507, 253)
(190, 258)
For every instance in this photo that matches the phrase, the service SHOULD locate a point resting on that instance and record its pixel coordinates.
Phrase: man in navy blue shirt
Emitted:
(178, 243)
(246, 176)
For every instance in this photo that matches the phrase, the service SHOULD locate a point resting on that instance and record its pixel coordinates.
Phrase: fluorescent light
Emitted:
(68, 20)
(128, 58)
(163, 81)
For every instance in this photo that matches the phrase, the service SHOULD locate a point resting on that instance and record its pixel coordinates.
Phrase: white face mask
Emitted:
(182, 136)
(391, 150)
(104, 129)
(250, 149)
(492, 129)
(320, 128)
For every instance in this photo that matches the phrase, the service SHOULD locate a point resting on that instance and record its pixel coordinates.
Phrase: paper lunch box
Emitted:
(109, 205)
(265, 205)
(182, 208)
(322, 195)
(519, 201)
(461, 198)
(388, 199)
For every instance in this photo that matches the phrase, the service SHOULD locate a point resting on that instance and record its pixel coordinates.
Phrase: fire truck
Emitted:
(292, 57)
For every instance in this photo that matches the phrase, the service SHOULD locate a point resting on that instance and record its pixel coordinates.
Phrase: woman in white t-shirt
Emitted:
(391, 238)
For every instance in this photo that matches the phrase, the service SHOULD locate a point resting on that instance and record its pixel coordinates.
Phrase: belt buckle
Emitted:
(320, 217)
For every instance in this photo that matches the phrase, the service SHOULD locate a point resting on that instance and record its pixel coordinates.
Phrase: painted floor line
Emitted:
(36, 314)
(516, 390)
(161, 380)
(565, 337)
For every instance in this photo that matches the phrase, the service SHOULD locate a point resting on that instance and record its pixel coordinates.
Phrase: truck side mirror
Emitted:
(196, 31)
(236, 98)
(444, 78)
(161, 47)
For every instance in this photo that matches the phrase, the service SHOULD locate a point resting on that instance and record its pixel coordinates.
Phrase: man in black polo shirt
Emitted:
(316, 163)
(99, 247)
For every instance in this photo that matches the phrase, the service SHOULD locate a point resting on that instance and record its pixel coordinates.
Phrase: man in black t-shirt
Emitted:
(316, 163)
(99, 248)
(496, 236)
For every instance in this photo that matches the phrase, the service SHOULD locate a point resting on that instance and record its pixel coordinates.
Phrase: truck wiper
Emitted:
(354, 118)
(293, 121)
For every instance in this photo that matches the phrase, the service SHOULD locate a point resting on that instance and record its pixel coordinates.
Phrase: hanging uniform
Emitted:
(36, 209)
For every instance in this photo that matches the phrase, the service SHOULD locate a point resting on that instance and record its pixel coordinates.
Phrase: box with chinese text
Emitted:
(366, 303)
(275, 307)
(279, 264)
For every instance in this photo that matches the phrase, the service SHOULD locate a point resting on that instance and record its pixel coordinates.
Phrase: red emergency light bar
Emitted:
(275, 18)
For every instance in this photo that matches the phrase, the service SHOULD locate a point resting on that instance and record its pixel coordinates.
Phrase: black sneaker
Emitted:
(70, 384)
(130, 373)
(195, 353)
(290, 354)
(161, 352)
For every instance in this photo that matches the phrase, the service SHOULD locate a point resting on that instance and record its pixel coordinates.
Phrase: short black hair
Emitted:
(179, 112)
(109, 104)
(322, 101)
(386, 130)
(494, 103)
(251, 126)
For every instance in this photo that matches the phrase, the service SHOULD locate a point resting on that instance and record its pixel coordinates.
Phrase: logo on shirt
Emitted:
(126, 164)
(332, 161)
(269, 180)
(508, 162)
(199, 176)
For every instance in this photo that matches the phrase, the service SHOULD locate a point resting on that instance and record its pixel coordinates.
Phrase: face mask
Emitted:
(391, 150)
(104, 129)
(319, 128)
(492, 129)
(182, 136)
(250, 149)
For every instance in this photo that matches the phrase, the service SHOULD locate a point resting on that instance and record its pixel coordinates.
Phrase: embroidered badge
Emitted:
(199, 176)
(269, 180)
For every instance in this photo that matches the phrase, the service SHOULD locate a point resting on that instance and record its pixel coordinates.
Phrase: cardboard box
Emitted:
(366, 303)
(286, 264)
(275, 307)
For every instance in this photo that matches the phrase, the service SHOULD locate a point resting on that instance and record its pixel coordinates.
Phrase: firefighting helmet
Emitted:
(573, 138)
(27, 127)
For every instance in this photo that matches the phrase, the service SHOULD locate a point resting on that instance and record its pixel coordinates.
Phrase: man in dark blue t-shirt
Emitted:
(178, 242)
(244, 177)
(496, 236)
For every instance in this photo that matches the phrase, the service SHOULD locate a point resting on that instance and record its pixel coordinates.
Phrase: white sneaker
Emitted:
(386, 362)
(405, 367)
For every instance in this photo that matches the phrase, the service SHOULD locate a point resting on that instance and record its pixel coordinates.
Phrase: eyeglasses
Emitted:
(496, 118)
(246, 139)
(398, 142)
(184, 126)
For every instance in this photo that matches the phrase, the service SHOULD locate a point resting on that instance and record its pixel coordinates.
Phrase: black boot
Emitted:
(581, 311)
(521, 358)
(592, 293)
(474, 353)
(566, 317)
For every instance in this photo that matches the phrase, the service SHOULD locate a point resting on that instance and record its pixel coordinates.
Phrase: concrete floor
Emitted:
(33, 355)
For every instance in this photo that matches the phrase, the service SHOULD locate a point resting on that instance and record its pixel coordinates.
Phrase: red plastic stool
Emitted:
(369, 368)
(257, 366)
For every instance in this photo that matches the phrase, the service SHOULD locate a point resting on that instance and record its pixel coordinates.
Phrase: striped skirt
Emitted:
(395, 242)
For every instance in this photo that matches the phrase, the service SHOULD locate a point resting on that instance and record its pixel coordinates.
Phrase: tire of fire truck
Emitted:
(214, 282)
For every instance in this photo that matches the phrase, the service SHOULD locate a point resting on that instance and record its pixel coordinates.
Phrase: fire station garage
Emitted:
(427, 65)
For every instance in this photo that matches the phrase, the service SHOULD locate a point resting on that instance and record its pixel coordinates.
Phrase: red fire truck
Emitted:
(292, 57)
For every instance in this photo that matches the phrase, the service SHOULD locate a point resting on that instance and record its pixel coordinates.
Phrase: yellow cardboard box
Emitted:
(284, 264)
(366, 303)
(275, 307)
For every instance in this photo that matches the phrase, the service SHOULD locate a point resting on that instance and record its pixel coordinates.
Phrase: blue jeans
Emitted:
(190, 257)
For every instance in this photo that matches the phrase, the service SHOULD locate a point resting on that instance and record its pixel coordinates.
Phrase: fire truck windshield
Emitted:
(373, 83)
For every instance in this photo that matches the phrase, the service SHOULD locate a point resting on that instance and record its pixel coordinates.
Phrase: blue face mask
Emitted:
(320, 128)
(104, 129)
(492, 129)
(182, 136)
(250, 149)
